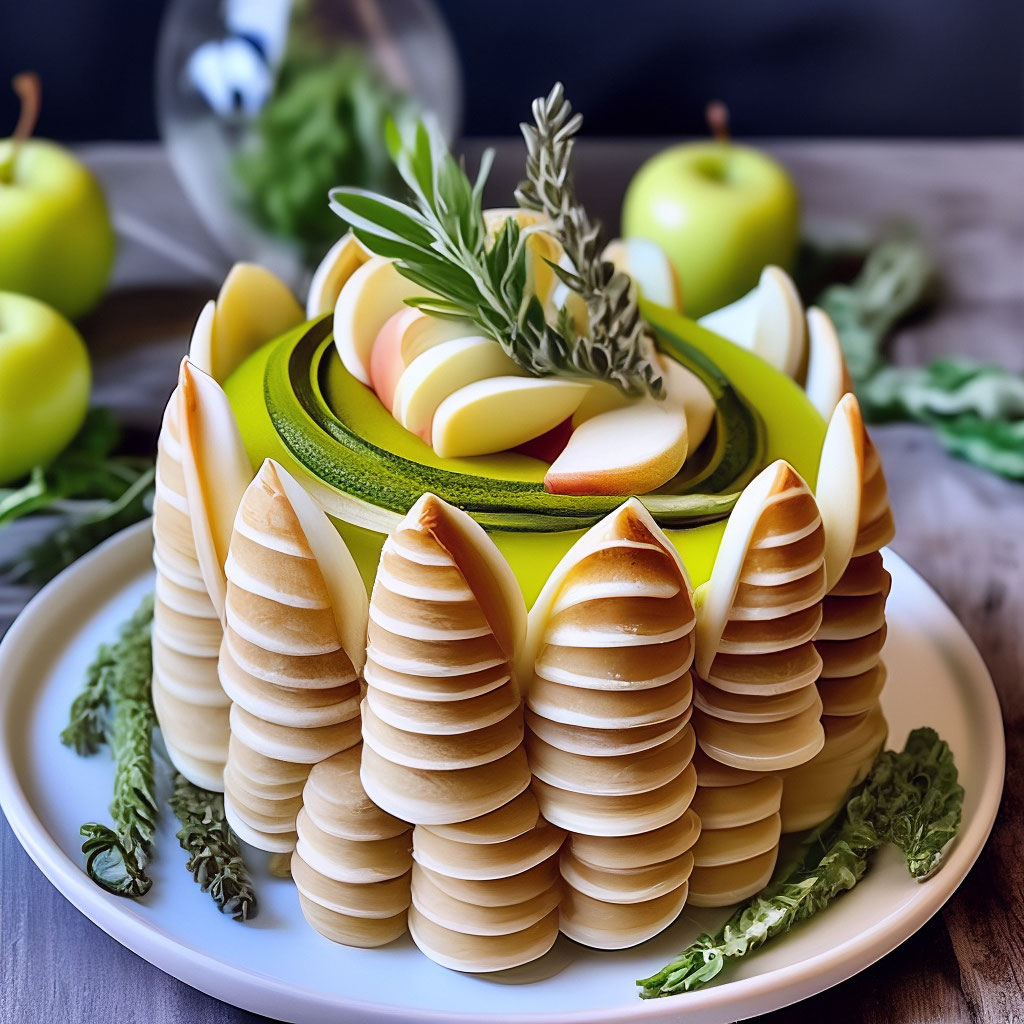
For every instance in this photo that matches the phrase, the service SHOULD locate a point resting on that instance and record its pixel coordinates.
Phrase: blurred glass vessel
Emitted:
(266, 104)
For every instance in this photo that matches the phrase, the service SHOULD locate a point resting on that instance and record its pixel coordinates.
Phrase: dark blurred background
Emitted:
(636, 67)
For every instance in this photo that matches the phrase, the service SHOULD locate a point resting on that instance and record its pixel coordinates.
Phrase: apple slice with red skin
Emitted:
(630, 450)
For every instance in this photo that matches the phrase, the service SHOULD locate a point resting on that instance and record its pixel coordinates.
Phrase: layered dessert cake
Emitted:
(499, 603)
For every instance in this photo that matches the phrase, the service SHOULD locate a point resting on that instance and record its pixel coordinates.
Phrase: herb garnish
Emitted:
(910, 799)
(215, 857)
(119, 678)
(94, 491)
(621, 343)
(438, 241)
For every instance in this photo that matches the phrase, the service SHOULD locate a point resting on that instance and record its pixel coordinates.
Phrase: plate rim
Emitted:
(258, 993)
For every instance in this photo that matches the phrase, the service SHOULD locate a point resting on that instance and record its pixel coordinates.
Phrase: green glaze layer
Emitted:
(295, 403)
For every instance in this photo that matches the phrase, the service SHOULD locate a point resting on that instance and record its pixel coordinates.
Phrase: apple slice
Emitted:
(768, 321)
(646, 263)
(373, 293)
(442, 370)
(253, 307)
(497, 413)
(602, 397)
(840, 485)
(386, 362)
(631, 450)
(827, 376)
(685, 388)
(216, 471)
(343, 259)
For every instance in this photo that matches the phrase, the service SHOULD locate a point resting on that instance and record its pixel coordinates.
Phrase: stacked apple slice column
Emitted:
(853, 499)
(757, 710)
(443, 743)
(201, 472)
(610, 648)
(290, 657)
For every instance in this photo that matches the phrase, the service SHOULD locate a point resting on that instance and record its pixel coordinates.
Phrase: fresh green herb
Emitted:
(977, 412)
(214, 854)
(94, 492)
(621, 343)
(440, 243)
(911, 799)
(323, 124)
(86, 730)
(116, 858)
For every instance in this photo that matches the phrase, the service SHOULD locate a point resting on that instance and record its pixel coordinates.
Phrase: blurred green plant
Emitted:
(93, 491)
(322, 127)
(975, 410)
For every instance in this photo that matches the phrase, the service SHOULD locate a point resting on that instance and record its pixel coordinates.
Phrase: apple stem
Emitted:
(717, 114)
(30, 92)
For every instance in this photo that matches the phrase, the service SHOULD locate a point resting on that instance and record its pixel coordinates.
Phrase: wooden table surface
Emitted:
(960, 527)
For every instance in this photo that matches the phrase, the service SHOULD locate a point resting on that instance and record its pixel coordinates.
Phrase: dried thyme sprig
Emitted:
(911, 799)
(214, 854)
(621, 345)
(116, 858)
(439, 241)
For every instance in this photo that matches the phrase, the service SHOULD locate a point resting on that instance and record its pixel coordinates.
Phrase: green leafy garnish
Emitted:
(976, 411)
(94, 492)
(439, 241)
(621, 344)
(120, 677)
(911, 799)
(214, 854)
(323, 124)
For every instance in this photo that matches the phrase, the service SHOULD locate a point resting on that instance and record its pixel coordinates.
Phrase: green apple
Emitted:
(721, 212)
(44, 384)
(57, 239)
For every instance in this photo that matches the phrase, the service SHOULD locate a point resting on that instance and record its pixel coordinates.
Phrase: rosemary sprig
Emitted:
(116, 858)
(86, 730)
(621, 344)
(439, 241)
(214, 854)
(911, 799)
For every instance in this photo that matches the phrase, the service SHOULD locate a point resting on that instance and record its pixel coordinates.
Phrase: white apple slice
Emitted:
(497, 413)
(216, 471)
(768, 321)
(343, 259)
(348, 596)
(827, 376)
(369, 297)
(646, 263)
(685, 388)
(602, 397)
(631, 450)
(442, 370)
(714, 599)
(253, 307)
(200, 346)
(840, 486)
(423, 332)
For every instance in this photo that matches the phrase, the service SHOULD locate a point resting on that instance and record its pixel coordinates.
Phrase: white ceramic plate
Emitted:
(277, 965)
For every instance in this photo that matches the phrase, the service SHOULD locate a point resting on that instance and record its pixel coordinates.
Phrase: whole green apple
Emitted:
(56, 239)
(44, 384)
(721, 212)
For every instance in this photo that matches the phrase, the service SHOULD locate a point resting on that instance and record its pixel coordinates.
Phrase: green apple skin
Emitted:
(56, 238)
(44, 384)
(721, 212)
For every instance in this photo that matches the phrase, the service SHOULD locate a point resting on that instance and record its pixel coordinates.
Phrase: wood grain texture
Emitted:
(960, 527)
